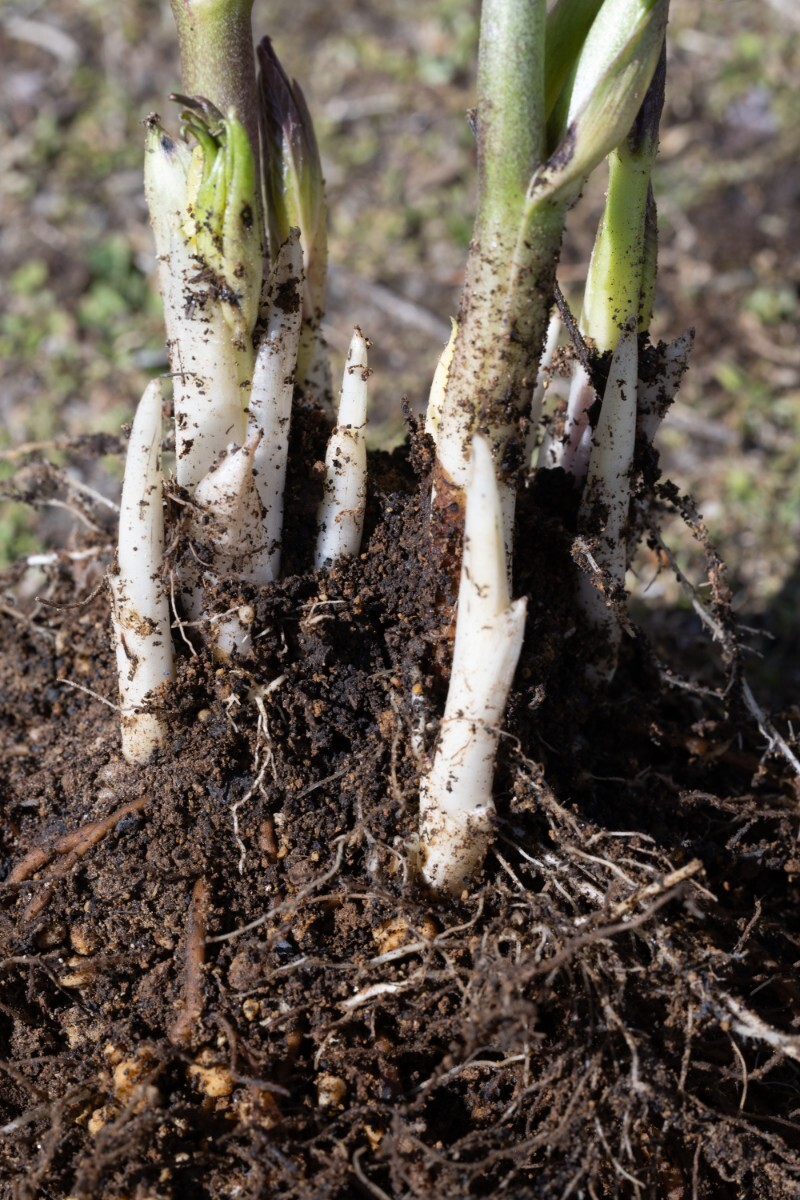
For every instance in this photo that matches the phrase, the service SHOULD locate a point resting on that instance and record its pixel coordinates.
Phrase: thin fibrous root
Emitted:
(456, 805)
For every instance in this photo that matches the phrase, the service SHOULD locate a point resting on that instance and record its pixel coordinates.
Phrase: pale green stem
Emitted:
(621, 279)
(623, 256)
(510, 115)
(217, 58)
(507, 293)
(568, 23)
(614, 283)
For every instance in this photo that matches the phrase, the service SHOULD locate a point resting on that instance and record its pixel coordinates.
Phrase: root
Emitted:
(72, 846)
(182, 1029)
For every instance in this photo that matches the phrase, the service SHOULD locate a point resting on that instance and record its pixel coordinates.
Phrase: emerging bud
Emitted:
(227, 525)
(295, 198)
(223, 225)
(228, 510)
(295, 189)
(611, 77)
(568, 23)
(210, 373)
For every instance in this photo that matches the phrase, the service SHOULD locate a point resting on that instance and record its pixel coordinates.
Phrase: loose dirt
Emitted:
(220, 977)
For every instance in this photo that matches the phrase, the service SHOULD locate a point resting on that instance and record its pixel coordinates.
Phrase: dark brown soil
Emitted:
(219, 978)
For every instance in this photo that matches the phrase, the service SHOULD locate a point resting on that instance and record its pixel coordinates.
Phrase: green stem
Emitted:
(614, 283)
(621, 275)
(510, 115)
(217, 60)
(508, 289)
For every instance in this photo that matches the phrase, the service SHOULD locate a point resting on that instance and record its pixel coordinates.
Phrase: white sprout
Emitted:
(606, 498)
(433, 412)
(228, 523)
(140, 605)
(271, 400)
(340, 518)
(572, 452)
(452, 435)
(542, 383)
(456, 805)
(655, 397)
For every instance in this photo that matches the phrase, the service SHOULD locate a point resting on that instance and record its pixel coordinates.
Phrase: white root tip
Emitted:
(140, 606)
(340, 518)
(456, 805)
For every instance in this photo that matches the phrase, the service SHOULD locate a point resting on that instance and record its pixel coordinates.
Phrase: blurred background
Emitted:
(389, 84)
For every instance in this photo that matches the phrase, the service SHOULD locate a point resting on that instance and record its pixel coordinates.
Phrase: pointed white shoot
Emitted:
(140, 604)
(228, 524)
(657, 394)
(603, 513)
(456, 805)
(573, 449)
(542, 383)
(433, 412)
(340, 517)
(271, 398)
(229, 510)
(211, 374)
